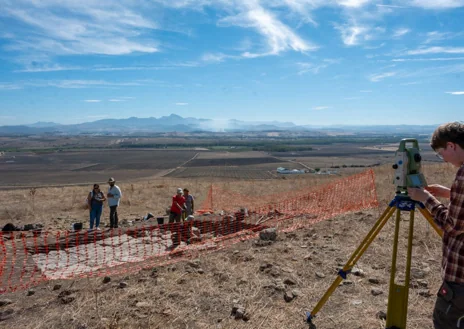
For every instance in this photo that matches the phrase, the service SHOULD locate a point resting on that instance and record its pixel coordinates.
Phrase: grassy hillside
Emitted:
(201, 292)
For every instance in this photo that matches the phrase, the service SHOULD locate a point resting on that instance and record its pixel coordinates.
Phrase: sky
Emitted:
(320, 62)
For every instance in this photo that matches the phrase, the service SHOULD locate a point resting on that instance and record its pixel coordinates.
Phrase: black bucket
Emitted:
(160, 220)
(77, 226)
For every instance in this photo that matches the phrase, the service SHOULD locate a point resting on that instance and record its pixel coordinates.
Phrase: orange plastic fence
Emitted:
(361, 188)
(29, 258)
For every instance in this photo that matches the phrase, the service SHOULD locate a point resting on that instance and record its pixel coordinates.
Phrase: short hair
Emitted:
(448, 132)
(186, 190)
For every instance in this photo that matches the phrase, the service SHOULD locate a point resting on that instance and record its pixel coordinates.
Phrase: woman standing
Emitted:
(95, 200)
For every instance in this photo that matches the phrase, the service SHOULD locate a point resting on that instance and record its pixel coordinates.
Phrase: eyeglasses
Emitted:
(438, 153)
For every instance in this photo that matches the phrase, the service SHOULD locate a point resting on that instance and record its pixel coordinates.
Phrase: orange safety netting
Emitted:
(361, 188)
(29, 258)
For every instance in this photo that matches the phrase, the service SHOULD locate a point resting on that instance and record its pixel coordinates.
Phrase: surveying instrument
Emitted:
(407, 174)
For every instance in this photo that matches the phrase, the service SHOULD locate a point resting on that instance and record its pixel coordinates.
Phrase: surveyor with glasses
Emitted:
(448, 143)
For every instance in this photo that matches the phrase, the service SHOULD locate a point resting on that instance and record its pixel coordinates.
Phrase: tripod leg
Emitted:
(429, 218)
(353, 259)
(398, 295)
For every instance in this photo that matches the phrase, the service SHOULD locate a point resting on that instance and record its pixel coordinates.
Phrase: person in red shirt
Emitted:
(177, 207)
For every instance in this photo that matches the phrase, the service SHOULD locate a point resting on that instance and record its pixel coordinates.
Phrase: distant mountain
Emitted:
(41, 124)
(176, 123)
(24, 130)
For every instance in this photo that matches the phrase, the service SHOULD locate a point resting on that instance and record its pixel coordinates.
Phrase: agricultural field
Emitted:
(207, 172)
(52, 160)
(86, 166)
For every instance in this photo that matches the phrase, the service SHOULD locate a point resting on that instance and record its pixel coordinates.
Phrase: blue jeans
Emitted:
(95, 214)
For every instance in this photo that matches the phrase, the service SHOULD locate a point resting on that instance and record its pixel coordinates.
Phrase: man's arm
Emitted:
(451, 218)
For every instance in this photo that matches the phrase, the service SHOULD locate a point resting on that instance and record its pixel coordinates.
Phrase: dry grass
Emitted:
(183, 296)
(58, 208)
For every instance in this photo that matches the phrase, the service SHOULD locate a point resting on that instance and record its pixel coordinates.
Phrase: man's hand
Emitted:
(109, 195)
(418, 194)
(438, 190)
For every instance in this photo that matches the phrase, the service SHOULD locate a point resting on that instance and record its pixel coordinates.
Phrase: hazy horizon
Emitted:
(232, 119)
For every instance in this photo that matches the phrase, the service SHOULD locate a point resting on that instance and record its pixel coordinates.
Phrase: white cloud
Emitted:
(82, 83)
(375, 47)
(381, 76)
(435, 59)
(353, 35)
(400, 32)
(48, 68)
(216, 58)
(320, 108)
(429, 72)
(436, 36)
(389, 6)
(353, 3)
(436, 50)
(455, 92)
(7, 35)
(92, 100)
(120, 99)
(145, 67)
(434, 4)
(182, 104)
(77, 84)
(309, 68)
(279, 36)
(9, 86)
(411, 83)
(79, 27)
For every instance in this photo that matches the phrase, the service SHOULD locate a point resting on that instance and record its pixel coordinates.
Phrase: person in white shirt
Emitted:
(114, 195)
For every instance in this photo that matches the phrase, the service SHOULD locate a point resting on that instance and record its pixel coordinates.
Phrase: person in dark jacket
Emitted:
(95, 200)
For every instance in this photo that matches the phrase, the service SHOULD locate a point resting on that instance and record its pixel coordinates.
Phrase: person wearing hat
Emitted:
(114, 195)
(177, 207)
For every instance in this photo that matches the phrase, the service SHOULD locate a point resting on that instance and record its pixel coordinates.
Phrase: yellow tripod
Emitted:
(398, 294)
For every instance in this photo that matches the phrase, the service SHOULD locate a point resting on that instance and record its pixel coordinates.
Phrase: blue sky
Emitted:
(318, 62)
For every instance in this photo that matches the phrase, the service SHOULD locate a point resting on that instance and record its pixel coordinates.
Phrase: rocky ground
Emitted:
(253, 284)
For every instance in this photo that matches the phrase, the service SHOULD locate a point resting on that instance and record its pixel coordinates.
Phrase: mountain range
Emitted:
(176, 123)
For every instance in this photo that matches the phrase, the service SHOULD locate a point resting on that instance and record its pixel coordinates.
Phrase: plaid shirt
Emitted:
(451, 220)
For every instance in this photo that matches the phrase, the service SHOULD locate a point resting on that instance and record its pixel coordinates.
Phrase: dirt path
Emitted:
(292, 161)
(174, 169)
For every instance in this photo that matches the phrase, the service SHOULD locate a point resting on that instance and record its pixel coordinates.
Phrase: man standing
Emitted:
(448, 143)
(189, 203)
(114, 195)
(177, 207)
